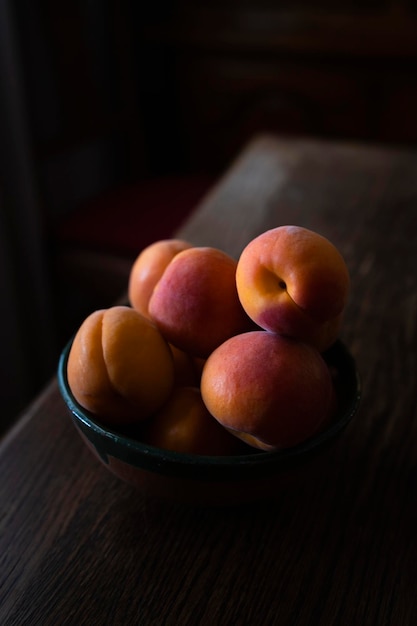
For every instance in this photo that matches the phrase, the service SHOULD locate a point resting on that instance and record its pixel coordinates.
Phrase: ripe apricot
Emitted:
(148, 268)
(195, 303)
(120, 367)
(295, 282)
(269, 390)
(185, 369)
(184, 424)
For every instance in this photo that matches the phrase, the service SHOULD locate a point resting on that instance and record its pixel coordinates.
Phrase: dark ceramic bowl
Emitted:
(208, 479)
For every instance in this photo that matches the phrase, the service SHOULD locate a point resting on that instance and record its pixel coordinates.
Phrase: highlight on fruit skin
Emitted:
(293, 281)
(120, 368)
(271, 391)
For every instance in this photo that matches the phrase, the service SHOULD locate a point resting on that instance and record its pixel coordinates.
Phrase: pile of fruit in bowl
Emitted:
(219, 373)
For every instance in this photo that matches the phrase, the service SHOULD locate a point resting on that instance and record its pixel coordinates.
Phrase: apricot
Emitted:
(271, 391)
(295, 282)
(199, 364)
(148, 268)
(195, 303)
(120, 368)
(186, 369)
(184, 424)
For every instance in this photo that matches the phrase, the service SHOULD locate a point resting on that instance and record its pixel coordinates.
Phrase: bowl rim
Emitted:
(107, 440)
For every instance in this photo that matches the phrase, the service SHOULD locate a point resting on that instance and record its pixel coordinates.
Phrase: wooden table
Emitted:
(79, 547)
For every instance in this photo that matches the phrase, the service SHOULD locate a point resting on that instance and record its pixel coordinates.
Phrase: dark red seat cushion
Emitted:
(126, 220)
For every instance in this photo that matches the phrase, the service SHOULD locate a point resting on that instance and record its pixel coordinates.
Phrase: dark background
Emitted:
(98, 96)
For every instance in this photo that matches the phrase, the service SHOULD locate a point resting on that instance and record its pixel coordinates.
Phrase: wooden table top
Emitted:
(77, 546)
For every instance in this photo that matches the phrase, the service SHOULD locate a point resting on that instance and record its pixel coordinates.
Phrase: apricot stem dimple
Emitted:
(282, 284)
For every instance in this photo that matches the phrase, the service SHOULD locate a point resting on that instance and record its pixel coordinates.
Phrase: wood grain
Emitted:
(79, 547)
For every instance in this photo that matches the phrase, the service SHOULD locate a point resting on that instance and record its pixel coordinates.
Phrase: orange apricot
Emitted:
(184, 424)
(195, 303)
(271, 391)
(186, 370)
(295, 282)
(120, 368)
(148, 268)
